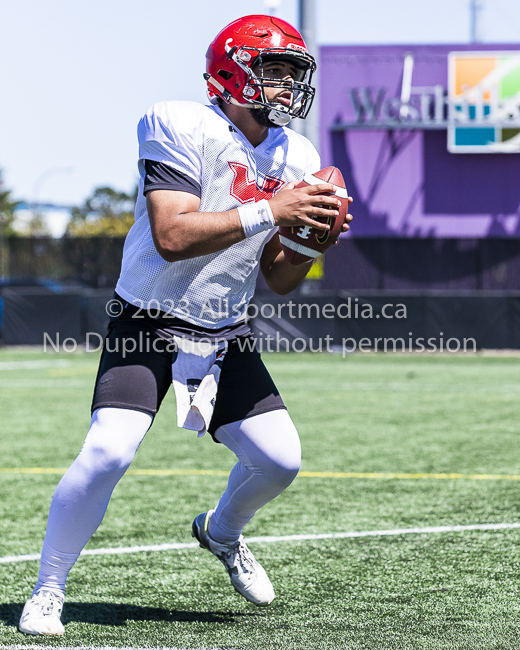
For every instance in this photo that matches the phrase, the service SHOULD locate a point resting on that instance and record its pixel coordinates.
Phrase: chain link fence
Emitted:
(358, 264)
(91, 261)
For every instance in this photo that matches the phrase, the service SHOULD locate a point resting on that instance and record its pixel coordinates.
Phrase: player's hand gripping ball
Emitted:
(302, 243)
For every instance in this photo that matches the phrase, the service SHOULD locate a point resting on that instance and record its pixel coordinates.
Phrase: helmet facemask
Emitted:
(254, 63)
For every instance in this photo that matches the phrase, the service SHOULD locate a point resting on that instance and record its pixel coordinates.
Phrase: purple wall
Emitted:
(403, 181)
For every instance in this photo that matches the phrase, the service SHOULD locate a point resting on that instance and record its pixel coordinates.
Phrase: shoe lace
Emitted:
(48, 602)
(241, 557)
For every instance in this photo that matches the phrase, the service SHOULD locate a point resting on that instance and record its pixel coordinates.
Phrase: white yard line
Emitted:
(9, 559)
(93, 647)
(33, 365)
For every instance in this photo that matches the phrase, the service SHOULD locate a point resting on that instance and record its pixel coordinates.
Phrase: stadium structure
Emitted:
(427, 138)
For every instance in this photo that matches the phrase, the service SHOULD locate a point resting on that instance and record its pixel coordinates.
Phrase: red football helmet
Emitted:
(251, 42)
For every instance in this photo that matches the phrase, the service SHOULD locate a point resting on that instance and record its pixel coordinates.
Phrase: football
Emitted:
(303, 243)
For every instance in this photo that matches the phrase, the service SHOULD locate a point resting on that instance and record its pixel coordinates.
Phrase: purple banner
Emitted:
(385, 116)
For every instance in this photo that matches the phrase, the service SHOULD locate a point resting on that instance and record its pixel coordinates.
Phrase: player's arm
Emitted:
(281, 276)
(181, 232)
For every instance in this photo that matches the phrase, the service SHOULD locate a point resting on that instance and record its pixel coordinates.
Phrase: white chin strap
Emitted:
(280, 118)
(276, 116)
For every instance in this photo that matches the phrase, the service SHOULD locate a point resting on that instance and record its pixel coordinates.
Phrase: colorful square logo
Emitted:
(484, 102)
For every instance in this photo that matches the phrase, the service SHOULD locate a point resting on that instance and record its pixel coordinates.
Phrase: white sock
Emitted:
(54, 569)
(81, 498)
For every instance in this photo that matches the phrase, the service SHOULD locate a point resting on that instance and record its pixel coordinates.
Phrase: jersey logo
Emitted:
(245, 189)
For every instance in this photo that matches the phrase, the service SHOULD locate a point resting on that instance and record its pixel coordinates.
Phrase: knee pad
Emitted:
(113, 438)
(266, 444)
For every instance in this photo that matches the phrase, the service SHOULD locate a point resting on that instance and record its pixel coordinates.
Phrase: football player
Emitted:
(215, 182)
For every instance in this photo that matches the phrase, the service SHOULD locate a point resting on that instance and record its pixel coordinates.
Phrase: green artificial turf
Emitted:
(366, 413)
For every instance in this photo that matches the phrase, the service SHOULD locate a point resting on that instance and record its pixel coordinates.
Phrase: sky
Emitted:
(75, 77)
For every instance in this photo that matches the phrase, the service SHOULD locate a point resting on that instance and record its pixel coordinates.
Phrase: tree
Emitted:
(7, 217)
(7, 209)
(106, 212)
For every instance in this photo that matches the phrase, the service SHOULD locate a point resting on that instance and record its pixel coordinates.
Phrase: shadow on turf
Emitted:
(118, 614)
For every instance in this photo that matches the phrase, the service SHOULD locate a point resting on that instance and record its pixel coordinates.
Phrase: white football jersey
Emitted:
(213, 290)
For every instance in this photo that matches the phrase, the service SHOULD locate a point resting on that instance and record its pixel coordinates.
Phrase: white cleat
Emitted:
(41, 614)
(247, 576)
